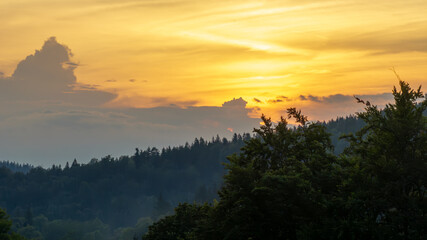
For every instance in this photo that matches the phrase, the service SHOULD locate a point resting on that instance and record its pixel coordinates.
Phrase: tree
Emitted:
(279, 185)
(74, 164)
(390, 153)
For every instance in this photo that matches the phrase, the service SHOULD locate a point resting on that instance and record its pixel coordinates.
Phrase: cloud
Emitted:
(257, 100)
(278, 99)
(310, 98)
(56, 134)
(121, 101)
(282, 97)
(313, 98)
(341, 98)
(235, 103)
(48, 75)
(275, 100)
(326, 107)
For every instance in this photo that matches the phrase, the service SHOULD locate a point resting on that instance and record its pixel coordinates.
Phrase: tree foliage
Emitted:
(390, 154)
(279, 185)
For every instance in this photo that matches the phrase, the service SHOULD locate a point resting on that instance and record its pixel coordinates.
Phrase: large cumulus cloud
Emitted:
(48, 75)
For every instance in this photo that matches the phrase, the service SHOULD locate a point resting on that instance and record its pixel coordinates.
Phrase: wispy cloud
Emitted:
(253, 45)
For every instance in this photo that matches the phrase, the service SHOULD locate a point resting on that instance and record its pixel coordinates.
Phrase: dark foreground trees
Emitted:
(287, 184)
(389, 167)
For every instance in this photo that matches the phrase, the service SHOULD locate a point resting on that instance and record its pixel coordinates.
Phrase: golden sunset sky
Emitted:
(202, 53)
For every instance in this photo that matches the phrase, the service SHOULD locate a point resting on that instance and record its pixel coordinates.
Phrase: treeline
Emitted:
(115, 192)
(16, 167)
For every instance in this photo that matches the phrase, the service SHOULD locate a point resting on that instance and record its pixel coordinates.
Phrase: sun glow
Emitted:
(253, 45)
(197, 53)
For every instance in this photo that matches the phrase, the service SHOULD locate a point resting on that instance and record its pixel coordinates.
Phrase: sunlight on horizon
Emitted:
(206, 53)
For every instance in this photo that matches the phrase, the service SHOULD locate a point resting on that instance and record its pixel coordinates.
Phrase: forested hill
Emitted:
(119, 191)
(174, 173)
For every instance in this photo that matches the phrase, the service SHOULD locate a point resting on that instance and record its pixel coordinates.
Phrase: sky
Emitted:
(82, 79)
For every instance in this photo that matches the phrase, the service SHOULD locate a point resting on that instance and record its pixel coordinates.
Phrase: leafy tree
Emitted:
(390, 155)
(278, 186)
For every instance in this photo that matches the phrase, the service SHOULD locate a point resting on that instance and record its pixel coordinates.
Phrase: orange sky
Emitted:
(203, 53)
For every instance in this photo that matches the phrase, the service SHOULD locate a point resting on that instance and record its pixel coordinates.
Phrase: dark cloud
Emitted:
(257, 100)
(325, 108)
(87, 87)
(72, 64)
(313, 98)
(282, 97)
(377, 99)
(57, 133)
(48, 75)
(110, 80)
(341, 98)
(278, 99)
(134, 80)
(235, 103)
(336, 98)
(231, 113)
(275, 100)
